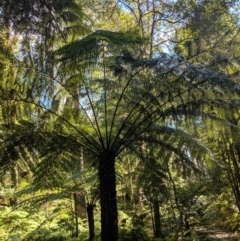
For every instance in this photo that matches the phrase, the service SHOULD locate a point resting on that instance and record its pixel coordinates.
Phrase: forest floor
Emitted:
(212, 234)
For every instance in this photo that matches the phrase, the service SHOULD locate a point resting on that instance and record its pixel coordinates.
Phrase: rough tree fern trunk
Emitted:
(90, 214)
(108, 196)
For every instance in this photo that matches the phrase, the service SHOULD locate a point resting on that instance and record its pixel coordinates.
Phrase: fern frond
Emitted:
(89, 48)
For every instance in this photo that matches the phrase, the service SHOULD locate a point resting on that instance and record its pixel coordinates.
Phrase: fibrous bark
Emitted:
(108, 196)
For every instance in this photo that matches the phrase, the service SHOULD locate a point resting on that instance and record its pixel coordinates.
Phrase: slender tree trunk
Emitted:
(90, 208)
(236, 168)
(152, 215)
(82, 208)
(15, 178)
(108, 196)
(232, 160)
(187, 227)
(75, 213)
(234, 172)
(157, 221)
(130, 182)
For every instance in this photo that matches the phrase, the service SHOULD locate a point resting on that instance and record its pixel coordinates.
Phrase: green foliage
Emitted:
(90, 47)
(27, 16)
(46, 235)
(137, 234)
(171, 123)
(209, 36)
(223, 212)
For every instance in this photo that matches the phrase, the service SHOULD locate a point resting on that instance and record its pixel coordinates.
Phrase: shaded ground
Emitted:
(206, 234)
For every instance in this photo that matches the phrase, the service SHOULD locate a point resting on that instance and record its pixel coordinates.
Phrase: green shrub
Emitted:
(133, 235)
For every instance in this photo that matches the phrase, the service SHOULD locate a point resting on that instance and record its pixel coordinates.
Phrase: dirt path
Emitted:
(211, 234)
